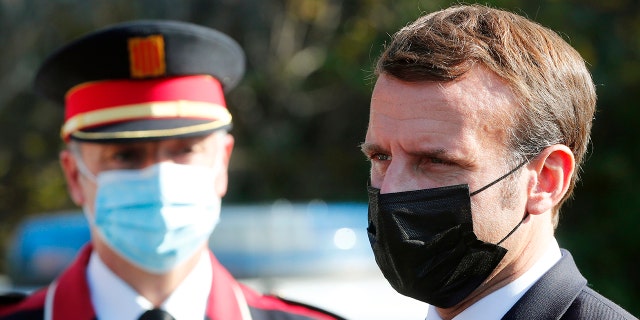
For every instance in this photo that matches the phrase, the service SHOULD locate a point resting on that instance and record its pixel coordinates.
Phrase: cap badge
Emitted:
(146, 56)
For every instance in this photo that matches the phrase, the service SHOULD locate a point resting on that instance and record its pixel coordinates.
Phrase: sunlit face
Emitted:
(427, 135)
(99, 157)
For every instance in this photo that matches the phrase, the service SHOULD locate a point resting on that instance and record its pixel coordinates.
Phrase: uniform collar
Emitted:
(114, 299)
(69, 296)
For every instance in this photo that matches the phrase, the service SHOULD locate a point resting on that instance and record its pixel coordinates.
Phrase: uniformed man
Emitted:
(146, 127)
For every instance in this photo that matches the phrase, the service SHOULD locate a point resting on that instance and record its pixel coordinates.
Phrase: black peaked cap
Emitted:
(103, 55)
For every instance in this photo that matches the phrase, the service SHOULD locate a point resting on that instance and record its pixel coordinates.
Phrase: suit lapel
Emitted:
(552, 294)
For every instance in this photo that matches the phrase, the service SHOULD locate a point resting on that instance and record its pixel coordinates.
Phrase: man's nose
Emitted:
(154, 154)
(399, 177)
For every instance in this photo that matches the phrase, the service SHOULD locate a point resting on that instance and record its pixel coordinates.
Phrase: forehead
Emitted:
(474, 108)
(479, 91)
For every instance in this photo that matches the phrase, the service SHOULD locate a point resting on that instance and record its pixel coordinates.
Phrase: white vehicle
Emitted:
(317, 253)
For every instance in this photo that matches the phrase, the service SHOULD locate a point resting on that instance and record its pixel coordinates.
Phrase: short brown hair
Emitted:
(547, 76)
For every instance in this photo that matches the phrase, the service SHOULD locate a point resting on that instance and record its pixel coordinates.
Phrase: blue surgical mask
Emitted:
(157, 217)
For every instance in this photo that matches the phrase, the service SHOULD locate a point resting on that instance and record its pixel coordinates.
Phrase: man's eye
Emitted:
(438, 161)
(123, 156)
(188, 149)
(380, 157)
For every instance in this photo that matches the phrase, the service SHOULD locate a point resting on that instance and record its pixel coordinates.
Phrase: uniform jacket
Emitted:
(68, 298)
(562, 293)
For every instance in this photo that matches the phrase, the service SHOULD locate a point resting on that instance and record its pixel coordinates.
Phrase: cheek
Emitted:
(88, 190)
(483, 225)
(511, 197)
(376, 174)
(209, 157)
(496, 213)
(491, 219)
(221, 183)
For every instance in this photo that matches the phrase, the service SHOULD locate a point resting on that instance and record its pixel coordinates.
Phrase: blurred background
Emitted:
(301, 110)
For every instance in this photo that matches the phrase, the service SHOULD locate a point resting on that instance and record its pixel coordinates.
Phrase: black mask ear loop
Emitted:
(526, 214)
(501, 178)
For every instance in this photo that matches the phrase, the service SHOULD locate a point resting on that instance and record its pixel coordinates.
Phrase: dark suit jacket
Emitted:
(562, 293)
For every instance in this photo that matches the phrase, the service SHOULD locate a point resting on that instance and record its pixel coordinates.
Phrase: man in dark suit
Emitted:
(479, 122)
(146, 126)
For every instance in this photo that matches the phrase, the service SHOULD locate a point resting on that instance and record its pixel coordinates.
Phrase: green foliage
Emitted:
(301, 110)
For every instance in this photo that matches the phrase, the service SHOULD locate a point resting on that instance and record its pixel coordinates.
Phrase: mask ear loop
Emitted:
(498, 180)
(84, 170)
(526, 214)
(501, 178)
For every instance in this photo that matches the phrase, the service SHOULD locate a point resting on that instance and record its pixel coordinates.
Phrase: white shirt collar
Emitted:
(498, 303)
(112, 298)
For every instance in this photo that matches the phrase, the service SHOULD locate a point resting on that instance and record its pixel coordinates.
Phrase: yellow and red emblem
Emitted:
(146, 56)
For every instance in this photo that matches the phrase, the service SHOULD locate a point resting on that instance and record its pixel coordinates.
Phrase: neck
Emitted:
(154, 287)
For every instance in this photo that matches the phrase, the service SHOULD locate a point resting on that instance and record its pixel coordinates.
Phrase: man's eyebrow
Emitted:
(442, 154)
(433, 153)
(369, 148)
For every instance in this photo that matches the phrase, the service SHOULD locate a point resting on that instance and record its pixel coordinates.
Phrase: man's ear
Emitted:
(72, 175)
(553, 169)
(222, 180)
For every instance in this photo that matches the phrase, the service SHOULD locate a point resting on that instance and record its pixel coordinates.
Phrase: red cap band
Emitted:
(116, 93)
(94, 104)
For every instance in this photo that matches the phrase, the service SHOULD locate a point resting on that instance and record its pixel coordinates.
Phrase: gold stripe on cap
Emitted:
(153, 110)
(150, 133)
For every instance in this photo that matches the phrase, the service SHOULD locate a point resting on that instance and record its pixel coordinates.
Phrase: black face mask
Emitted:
(424, 244)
